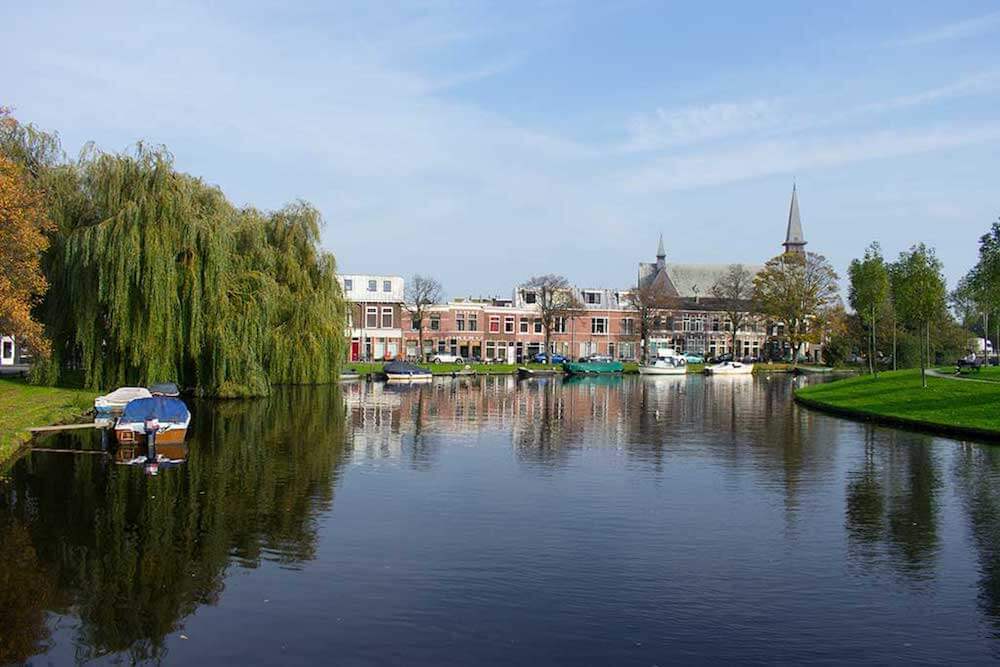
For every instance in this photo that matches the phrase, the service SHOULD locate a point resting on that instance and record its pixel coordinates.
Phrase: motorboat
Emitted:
(729, 368)
(593, 365)
(157, 420)
(667, 362)
(109, 407)
(403, 371)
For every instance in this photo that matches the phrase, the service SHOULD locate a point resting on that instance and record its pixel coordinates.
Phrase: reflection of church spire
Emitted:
(794, 239)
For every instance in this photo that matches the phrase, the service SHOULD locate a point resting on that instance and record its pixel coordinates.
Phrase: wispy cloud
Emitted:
(756, 159)
(951, 31)
(664, 128)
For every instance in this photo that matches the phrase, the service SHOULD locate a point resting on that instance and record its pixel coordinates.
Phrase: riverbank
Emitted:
(631, 367)
(948, 405)
(23, 405)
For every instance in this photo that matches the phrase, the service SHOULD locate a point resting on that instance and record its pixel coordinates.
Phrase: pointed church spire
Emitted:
(794, 239)
(660, 252)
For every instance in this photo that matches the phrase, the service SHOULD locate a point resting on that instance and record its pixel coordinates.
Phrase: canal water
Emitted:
(624, 521)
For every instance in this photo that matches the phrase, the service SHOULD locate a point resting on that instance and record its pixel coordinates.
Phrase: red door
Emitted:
(355, 349)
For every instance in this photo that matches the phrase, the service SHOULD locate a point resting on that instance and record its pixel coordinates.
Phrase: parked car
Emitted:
(442, 358)
(722, 358)
(598, 358)
(540, 358)
(693, 358)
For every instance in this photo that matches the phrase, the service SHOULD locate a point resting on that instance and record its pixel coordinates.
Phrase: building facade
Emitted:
(509, 330)
(375, 315)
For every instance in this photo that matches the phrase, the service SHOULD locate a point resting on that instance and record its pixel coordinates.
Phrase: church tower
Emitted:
(794, 239)
(661, 255)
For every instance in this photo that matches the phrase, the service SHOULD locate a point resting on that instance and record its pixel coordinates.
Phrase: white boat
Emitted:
(730, 368)
(667, 362)
(109, 407)
(401, 371)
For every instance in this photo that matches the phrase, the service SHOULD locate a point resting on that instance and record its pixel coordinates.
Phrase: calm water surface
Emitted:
(626, 521)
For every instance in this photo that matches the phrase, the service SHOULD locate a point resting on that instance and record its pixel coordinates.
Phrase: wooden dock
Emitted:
(59, 427)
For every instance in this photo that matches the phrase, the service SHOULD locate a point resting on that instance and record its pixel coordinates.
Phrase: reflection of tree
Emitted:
(541, 437)
(865, 499)
(137, 554)
(976, 471)
(26, 590)
(892, 501)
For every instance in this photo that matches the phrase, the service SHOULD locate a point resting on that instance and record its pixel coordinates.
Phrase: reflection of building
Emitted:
(375, 315)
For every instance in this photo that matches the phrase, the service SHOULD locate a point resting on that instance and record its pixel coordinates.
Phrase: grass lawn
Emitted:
(23, 405)
(898, 397)
(988, 373)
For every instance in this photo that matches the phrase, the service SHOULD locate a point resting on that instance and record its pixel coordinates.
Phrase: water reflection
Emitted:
(651, 508)
(133, 555)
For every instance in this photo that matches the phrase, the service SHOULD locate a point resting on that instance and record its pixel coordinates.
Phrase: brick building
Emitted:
(375, 315)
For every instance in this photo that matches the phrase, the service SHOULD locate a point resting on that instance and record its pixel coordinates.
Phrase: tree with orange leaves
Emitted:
(23, 223)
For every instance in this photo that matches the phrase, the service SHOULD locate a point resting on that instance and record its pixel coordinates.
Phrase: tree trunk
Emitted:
(874, 345)
(923, 359)
(894, 343)
(420, 341)
(548, 355)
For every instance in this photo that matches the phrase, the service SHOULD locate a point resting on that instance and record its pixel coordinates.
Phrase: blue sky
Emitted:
(486, 143)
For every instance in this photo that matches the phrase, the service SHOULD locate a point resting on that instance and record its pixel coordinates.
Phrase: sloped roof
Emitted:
(696, 280)
(794, 235)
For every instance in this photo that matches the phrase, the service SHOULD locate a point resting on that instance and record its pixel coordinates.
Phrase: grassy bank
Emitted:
(987, 374)
(23, 405)
(896, 397)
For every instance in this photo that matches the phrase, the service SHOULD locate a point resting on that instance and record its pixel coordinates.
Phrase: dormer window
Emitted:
(348, 284)
(372, 285)
(591, 297)
(530, 297)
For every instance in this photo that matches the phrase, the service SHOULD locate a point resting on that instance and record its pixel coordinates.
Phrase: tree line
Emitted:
(130, 272)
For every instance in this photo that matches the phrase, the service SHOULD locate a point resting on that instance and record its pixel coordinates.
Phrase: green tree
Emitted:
(978, 293)
(796, 289)
(919, 296)
(869, 296)
(154, 275)
(422, 292)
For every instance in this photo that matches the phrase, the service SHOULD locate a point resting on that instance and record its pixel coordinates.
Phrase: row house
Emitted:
(510, 330)
(375, 315)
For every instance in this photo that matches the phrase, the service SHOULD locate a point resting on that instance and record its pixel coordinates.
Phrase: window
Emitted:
(494, 324)
(371, 317)
(715, 324)
(386, 285)
(490, 349)
(559, 325)
(415, 323)
(441, 346)
(460, 322)
(530, 297)
(538, 325)
(387, 318)
(473, 324)
(372, 285)
(508, 324)
(628, 326)
(592, 297)
(598, 325)
(435, 322)
(524, 325)
(348, 284)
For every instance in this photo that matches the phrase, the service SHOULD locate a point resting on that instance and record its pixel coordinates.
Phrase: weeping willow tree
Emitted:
(155, 276)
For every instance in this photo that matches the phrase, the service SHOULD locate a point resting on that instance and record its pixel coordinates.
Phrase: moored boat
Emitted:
(163, 417)
(813, 370)
(593, 366)
(667, 362)
(402, 371)
(164, 389)
(729, 368)
(109, 407)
